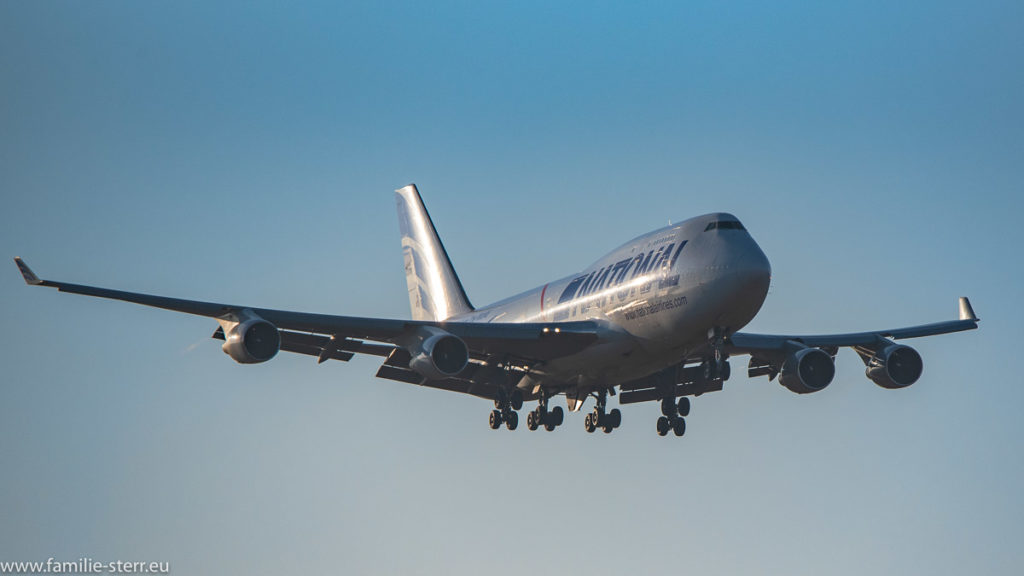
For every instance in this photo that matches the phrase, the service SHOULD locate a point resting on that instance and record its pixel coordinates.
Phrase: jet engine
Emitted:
(251, 339)
(895, 366)
(807, 370)
(435, 353)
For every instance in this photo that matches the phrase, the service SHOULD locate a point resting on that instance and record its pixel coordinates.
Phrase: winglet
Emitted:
(966, 311)
(27, 273)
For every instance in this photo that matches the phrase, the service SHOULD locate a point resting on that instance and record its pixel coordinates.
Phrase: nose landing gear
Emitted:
(714, 369)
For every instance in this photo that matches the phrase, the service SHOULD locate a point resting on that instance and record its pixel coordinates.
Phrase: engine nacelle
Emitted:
(895, 366)
(807, 370)
(435, 353)
(251, 339)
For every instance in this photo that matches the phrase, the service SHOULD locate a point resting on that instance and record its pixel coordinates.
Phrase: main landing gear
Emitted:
(599, 419)
(673, 416)
(505, 406)
(541, 416)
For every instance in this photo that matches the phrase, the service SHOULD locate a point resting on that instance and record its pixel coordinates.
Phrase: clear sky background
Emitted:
(247, 153)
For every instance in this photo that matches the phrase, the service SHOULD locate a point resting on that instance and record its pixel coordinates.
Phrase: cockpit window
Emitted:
(724, 225)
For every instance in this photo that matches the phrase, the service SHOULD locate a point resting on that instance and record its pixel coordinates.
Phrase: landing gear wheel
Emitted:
(684, 406)
(615, 418)
(588, 423)
(679, 427)
(716, 368)
(495, 419)
(511, 420)
(668, 407)
(663, 426)
(557, 415)
(549, 426)
(608, 428)
(532, 421)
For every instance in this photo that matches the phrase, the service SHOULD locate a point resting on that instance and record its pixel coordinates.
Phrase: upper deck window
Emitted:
(724, 225)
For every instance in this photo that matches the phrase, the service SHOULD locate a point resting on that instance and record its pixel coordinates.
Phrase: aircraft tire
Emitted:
(495, 420)
(668, 407)
(684, 406)
(679, 427)
(663, 426)
(557, 415)
(512, 420)
(588, 423)
(615, 416)
(531, 421)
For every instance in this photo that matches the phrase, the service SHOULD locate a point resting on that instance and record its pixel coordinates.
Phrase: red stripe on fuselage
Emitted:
(543, 290)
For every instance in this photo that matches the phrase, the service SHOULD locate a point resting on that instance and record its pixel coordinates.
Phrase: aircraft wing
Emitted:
(810, 360)
(331, 337)
(742, 343)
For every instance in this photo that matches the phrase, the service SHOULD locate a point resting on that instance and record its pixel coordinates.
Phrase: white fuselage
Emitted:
(659, 296)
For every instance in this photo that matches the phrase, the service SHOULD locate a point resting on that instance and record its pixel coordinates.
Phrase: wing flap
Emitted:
(389, 372)
(466, 385)
(320, 346)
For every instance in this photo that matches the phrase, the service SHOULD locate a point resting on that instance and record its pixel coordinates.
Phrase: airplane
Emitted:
(654, 320)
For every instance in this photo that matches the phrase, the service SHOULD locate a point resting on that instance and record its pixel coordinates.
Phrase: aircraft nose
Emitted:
(759, 266)
(757, 270)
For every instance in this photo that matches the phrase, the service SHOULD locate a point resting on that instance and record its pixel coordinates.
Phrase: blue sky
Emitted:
(247, 152)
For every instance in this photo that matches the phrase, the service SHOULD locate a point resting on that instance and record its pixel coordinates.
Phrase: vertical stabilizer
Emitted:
(435, 292)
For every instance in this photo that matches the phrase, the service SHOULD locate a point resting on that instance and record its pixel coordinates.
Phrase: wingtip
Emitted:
(30, 277)
(966, 310)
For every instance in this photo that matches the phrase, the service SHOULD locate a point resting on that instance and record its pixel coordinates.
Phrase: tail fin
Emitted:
(435, 292)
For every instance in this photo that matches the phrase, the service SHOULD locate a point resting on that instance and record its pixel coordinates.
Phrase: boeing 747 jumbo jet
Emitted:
(657, 318)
